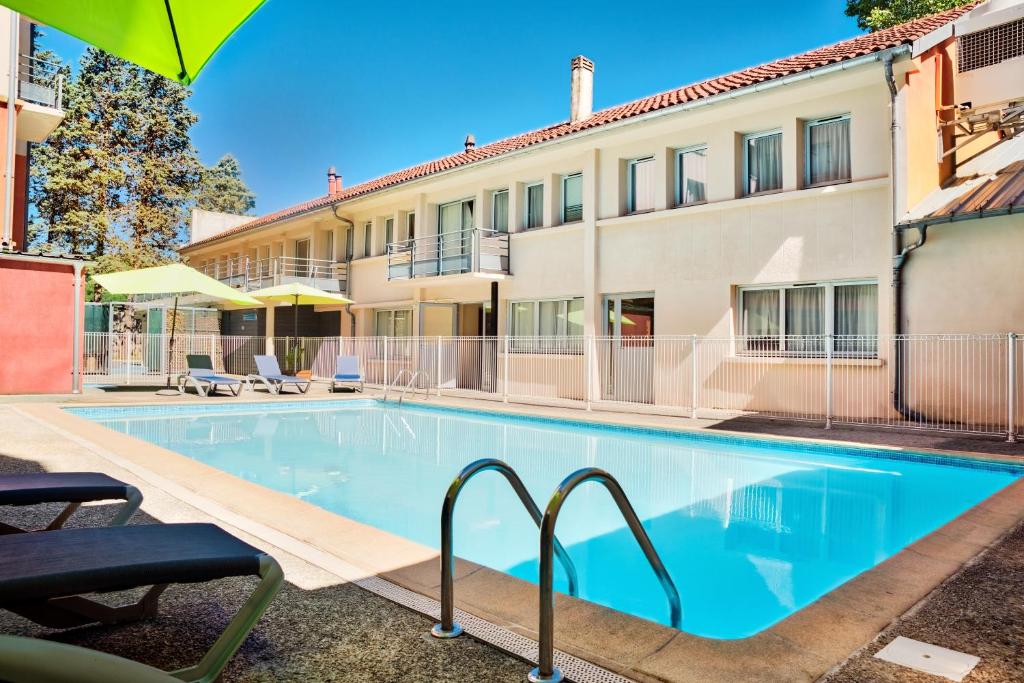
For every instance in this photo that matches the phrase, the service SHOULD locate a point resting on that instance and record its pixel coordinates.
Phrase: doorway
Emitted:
(629, 359)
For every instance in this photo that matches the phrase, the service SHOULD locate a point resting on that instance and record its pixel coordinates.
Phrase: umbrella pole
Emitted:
(170, 343)
(295, 329)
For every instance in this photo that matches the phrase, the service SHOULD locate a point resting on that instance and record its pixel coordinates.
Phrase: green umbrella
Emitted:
(176, 279)
(298, 294)
(174, 38)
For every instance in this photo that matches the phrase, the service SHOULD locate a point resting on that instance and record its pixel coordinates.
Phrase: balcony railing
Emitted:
(40, 82)
(250, 274)
(451, 253)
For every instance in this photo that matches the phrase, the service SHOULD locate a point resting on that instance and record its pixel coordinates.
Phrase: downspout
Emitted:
(900, 254)
(348, 273)
(7, 236)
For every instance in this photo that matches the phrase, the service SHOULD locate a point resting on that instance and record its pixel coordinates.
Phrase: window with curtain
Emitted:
(691, 171)
(367, 239)
(553, 320)
(572, 198)
(393, 323)
(794, 319)
(499, 211)
(410, 224)
(762, 162)
(535, 206)
(640, 182)
(389, 230)
(827, 154)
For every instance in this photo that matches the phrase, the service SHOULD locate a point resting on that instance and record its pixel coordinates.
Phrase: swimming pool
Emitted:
(750, 530)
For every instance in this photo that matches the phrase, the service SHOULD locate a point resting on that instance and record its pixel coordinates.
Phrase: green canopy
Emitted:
(175, 278)
(298, 294)
(174, 38)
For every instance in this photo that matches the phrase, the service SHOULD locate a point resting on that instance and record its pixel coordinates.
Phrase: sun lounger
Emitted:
(205, 381)
(46, 576)
(269, 372)
(30, 660)
(73, 488)
(347, 371)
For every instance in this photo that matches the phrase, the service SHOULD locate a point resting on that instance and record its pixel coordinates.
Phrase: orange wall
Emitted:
(36, 320)
(929, 85)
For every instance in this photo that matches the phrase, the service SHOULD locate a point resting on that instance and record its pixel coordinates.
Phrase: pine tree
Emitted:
(116, 179)
(222, 188)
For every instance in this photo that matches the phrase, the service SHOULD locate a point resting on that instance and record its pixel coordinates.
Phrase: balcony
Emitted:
(41, 90)
(452, 253)
(249, 274)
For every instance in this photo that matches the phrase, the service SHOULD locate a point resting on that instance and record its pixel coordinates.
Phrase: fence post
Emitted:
(1011, 393)
(386, 380)
(829, 340)
(694, 382)
(437, 370)
(589, 348)
(505, 379)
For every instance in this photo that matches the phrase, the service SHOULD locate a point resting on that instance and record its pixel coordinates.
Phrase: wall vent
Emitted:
(990, 46)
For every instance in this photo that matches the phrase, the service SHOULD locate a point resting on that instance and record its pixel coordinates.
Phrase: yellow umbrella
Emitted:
(298, 294)
(176, 279)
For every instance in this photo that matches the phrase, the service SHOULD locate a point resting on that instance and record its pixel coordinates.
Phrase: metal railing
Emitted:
(451, 253)
(250, 274)
(448, 628)
(546, 670)
(410, 385)
(954, 383)
(40, 82)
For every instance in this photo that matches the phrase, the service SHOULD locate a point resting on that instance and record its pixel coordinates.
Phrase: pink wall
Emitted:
(36, 320)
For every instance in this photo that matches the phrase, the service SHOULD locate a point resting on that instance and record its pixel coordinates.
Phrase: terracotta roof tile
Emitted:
(842, 51)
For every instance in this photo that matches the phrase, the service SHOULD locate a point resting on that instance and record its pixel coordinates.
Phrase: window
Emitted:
(534, 205)
(827, 150)
(389, 230)
(349, 243)
(794, 319)
(762, 162)
(410, 224)
(367, 239)
(691, 174)
(572, 198)
(552, 320)
(499, 211)
(640, 185)
(397, 323)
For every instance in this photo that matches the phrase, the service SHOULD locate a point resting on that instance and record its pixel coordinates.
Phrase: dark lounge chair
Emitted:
(73, 488)
(202, 376)
(46, 576)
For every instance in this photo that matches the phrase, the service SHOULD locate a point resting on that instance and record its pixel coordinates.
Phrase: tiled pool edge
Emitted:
(804, 645)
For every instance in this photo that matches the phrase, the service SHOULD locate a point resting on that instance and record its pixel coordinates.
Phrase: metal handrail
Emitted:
(412, 380)
(546, 671)
(448, 628)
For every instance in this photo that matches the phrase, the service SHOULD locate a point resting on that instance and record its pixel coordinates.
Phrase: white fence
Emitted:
(957, 383)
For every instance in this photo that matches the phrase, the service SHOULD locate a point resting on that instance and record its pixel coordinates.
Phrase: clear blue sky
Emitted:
(372, 87)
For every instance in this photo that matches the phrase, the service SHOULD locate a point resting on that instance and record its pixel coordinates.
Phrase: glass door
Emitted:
(629, 324)
(454, 221)
(437, 320)
(301, 265)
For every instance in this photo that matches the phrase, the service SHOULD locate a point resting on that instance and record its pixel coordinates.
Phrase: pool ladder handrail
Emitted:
(448, 628)
(546, 671)
(412, 380)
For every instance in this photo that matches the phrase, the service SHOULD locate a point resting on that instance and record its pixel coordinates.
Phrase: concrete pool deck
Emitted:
(802, 647)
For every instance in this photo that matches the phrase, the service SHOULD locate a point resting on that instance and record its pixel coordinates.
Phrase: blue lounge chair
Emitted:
(202, 377)
(46, 577)
(269, 372)
(347, 371)
(73, 488)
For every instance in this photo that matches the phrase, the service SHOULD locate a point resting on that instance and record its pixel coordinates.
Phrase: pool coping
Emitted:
(803, 646)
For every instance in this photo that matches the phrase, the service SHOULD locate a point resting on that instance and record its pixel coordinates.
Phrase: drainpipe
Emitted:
(348, 274)
(900, 254)
(6, 239)
(76, 343)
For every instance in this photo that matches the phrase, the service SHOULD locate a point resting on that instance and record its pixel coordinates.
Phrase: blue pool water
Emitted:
(750, 530)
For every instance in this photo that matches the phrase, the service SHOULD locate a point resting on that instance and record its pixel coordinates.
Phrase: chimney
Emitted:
(333, 181)
(470, 142)
(582, 94)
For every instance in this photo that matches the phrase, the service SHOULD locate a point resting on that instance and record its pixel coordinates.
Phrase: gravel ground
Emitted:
(317, 629)
(979, 610)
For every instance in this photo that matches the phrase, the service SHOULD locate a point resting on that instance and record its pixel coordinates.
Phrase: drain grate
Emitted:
(927, 658)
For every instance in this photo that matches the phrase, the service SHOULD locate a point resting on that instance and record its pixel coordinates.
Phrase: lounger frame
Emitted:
(132, 501)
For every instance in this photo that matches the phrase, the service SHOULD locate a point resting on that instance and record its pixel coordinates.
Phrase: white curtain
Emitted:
(500, 211)
(805, 319)
(764, 163)
(856, 319)
(760, 319)
(692, 176)
(535, 206)
(642, 185)
(828, 147)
